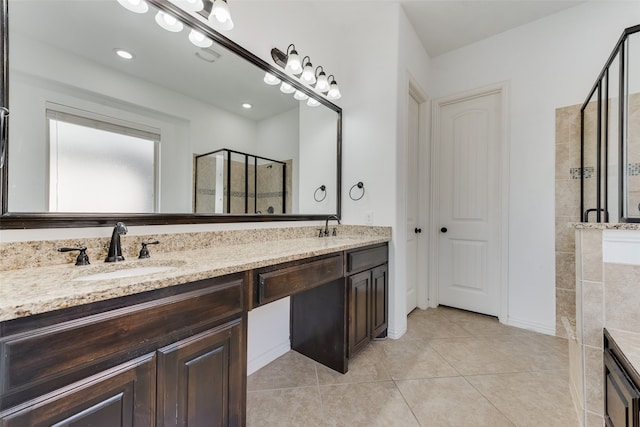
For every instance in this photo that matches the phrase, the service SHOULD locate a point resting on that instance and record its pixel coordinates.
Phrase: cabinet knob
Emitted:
(444, 229)
(418, 230)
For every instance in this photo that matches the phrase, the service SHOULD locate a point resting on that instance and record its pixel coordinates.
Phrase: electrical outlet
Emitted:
(369, 217)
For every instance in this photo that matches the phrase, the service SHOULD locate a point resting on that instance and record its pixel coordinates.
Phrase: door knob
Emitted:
(418, 230)
(443, 229)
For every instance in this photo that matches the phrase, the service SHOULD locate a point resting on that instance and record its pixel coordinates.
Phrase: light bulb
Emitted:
(137, 6)
(312, 102)
(168, 22)
(293, 63)
(270, 79)
(124, 54)
(286, 88)
(221, 15)
(199, 39)
(300, 96)
(193, 5)
(308, 75)
(322, 85)
(334, 91)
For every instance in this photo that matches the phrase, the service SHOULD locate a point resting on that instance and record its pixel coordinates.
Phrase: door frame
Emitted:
(413, 89)
(502, 89)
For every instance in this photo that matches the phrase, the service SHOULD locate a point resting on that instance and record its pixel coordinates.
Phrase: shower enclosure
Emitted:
(228, 181)
(610, 138)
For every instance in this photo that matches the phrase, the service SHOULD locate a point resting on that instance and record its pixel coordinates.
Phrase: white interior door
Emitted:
(413, 188)
(469, 134)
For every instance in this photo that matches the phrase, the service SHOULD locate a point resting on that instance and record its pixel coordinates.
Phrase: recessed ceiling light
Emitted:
(246, 105)
(124, 54)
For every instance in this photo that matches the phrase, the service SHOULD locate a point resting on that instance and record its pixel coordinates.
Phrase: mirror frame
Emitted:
(18, 220)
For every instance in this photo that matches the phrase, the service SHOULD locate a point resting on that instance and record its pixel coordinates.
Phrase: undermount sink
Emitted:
(128, 272)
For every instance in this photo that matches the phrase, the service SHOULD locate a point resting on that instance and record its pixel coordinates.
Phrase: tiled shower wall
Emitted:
(567, 211)
(567, 195)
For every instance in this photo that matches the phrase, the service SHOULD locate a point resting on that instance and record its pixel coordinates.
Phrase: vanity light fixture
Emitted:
(301, 96)
(124, 54)
(270, 79)
(316, 79)
(199, 39)
(308, 76)
(221, 15)
(294, 65)
(322, 84)
(287, 88)
(334, 91)
(192, 5)
(137, 6)
(169, 22)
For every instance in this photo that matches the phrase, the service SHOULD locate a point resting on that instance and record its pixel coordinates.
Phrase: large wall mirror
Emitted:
(162, 137)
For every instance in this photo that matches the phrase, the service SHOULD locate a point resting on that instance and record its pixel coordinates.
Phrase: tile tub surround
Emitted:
(443, 372)
(29, 291)
(607, 295)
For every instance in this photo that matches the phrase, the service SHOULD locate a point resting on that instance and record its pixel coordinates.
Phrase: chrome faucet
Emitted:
(115, 249)
(326, 224)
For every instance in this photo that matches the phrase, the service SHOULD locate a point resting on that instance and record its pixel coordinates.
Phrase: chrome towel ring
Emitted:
(323, 189)
(359, 185)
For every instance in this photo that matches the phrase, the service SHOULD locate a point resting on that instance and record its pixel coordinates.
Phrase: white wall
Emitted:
(550, 63)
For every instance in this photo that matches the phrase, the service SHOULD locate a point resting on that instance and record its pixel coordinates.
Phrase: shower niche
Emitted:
(610, 138)
(232, 182)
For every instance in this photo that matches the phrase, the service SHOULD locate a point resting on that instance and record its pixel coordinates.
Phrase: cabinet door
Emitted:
(201, 379)
(122, 396)
(379, 301)
(359, 311)
(621, 398)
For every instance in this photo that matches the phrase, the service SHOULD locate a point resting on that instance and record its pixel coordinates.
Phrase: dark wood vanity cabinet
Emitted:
(174, 357)
(621, 388)
(367, 289)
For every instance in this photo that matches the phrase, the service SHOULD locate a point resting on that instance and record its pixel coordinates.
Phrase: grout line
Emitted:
(406, 402)
(490, 402)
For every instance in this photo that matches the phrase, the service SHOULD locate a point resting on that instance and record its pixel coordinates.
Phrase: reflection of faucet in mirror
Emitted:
(326, 224)
(115, 249)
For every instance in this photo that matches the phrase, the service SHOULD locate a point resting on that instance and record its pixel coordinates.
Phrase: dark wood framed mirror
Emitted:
(174, 102)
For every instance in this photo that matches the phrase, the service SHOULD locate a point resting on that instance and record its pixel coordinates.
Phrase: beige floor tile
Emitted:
(530, 399)
(290, 370)
(292, 407)
(412, 359)
(480, 355)
(450, 402)
(425, 327)
(367, 405)
(366, 366)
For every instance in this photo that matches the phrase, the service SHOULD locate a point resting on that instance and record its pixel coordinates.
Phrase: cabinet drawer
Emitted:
(366, 258)
(287, 281)
(51, 357)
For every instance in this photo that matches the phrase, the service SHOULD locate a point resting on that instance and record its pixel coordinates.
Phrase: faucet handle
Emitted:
(334, 233)
(144, 252)
(320, 232)
(82, 259)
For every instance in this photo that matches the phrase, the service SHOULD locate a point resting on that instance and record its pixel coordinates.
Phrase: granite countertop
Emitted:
(629, 343)
(606, 225)
(29, 291)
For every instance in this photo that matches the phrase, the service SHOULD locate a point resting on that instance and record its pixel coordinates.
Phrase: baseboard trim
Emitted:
(532, 326)
(267, 357)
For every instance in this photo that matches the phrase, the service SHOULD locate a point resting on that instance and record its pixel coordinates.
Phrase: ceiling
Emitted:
(446, 25)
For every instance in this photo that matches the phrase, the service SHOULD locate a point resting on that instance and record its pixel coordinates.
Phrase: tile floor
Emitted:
(451, 368)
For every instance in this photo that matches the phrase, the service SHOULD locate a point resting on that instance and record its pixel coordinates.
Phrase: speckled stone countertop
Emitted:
(29, 291)
(606, 225)
(629, 343)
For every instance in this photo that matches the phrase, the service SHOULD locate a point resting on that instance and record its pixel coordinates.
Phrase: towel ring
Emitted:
(360, 185)
(315, 194)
